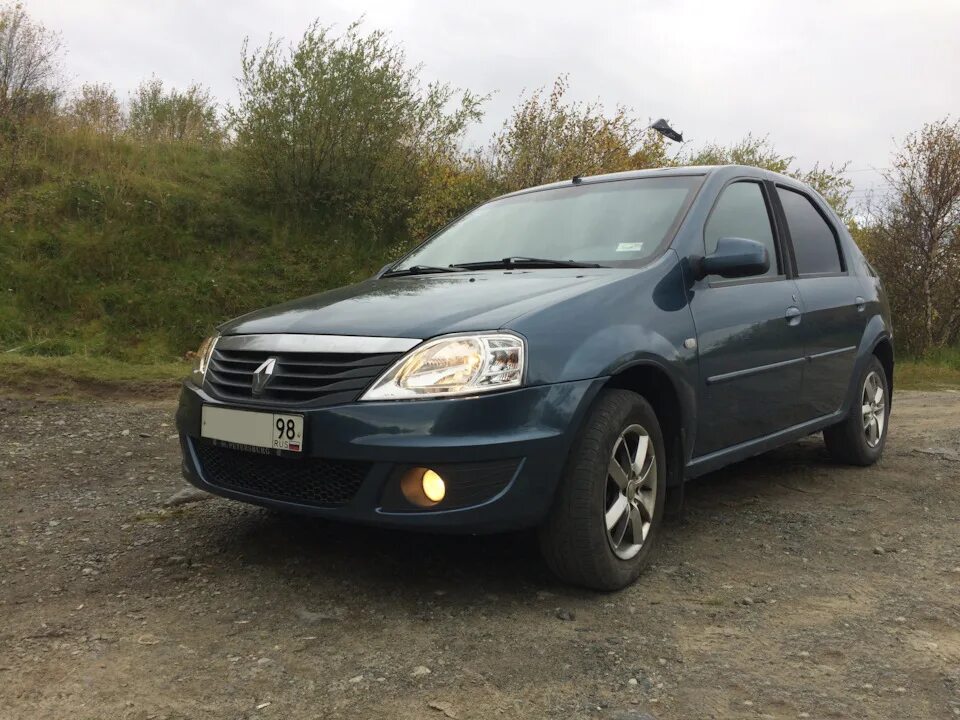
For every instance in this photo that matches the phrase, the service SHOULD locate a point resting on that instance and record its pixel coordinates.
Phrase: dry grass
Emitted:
(82, 376)
(914, 375)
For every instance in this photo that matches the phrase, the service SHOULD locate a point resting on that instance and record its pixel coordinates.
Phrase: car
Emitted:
(561, 358)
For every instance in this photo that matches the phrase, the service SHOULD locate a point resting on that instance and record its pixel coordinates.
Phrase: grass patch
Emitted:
(71, 376)
(925, 375)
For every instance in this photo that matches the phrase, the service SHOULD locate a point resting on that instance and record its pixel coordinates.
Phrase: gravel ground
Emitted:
(792, 588)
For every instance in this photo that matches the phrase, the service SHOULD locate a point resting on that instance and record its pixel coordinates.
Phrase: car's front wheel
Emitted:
(606, 517)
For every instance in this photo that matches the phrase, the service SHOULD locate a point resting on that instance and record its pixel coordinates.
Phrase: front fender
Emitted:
(676, 364)
(604, 329)
(642, 319)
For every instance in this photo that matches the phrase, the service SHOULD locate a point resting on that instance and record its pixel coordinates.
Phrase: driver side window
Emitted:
(742, 212)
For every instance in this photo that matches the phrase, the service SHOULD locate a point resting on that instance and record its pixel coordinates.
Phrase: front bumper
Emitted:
(525, 432)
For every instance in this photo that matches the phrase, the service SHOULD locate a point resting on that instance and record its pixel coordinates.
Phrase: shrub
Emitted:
(342, 123)
(173, 116)
(96, 107)
(548, 138)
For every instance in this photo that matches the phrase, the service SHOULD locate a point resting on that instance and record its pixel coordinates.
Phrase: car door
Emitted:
(748, 331)
(833, 305)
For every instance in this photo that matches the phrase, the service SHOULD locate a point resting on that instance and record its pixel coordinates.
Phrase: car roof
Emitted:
(727, 171)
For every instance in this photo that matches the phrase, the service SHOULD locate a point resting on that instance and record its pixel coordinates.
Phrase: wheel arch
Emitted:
(658, 387)
(883, 349)
(876, 342)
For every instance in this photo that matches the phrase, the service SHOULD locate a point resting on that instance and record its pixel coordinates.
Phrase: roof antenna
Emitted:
(577, 180)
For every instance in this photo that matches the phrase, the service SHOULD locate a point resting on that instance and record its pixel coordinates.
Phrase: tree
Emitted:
(29, 68)
(173, 116)
(96, 107)
(547, 139)
(915, 239)
(29, 85)
(342, 121)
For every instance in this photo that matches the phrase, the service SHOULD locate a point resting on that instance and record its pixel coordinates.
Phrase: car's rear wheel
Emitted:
(860, 437)
(606, 518)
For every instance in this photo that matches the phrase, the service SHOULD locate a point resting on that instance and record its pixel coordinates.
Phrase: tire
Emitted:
(860, 437)
(575, 540)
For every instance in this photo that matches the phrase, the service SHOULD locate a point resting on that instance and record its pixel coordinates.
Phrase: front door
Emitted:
(748, 332)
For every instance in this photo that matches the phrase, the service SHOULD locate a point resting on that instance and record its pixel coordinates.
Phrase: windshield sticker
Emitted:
(630, 247)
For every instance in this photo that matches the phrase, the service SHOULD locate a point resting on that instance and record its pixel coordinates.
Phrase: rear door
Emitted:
(833, 303)
(748, 331)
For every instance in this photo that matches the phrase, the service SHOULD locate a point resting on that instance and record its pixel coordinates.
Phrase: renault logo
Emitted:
(262, 375)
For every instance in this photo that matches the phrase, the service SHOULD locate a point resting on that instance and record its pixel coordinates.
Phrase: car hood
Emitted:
(422, 306)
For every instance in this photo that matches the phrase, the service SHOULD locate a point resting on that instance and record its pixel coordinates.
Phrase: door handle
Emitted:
(861, 304)
(793, 315)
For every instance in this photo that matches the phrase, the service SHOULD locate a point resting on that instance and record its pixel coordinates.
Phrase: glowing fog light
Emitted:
(433, 486)
(423, 487)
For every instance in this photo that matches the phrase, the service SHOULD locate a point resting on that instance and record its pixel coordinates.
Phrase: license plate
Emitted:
(258, 429)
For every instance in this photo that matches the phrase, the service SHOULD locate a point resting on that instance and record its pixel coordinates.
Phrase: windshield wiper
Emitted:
(510, 262)
(528, 262)
(423, 270)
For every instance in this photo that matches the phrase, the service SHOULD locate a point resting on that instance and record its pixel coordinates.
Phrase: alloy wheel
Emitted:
(631, 491)
(874, 409)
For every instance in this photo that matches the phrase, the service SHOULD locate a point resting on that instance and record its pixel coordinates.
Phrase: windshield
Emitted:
(606, 223)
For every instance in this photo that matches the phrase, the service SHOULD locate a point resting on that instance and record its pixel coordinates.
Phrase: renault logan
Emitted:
(560, 358)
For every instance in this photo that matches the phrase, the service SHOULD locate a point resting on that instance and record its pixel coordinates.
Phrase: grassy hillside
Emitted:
(133, 251)
(119, 251)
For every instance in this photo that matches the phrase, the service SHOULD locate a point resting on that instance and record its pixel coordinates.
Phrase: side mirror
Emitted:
(382, 270)
(735, 258)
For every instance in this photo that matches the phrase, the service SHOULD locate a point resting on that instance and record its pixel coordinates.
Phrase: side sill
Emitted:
(716, 460)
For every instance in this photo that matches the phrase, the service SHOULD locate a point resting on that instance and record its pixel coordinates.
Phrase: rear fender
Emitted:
(877, 331)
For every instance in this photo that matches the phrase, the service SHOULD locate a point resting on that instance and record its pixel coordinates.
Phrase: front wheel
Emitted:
(606, 518)
(860, 437)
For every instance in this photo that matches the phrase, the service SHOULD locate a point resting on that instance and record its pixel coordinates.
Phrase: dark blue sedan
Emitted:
(564, 358)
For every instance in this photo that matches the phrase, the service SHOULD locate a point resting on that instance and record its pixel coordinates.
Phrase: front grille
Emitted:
(299, 378)
(304, 480)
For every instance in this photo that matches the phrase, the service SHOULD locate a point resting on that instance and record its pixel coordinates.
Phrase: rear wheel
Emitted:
(860, 437)
(607, 514)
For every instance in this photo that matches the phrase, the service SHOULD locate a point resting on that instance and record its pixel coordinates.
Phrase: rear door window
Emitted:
(815, 243)
(742, 212)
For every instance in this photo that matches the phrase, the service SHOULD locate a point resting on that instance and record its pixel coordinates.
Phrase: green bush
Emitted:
(341, 125)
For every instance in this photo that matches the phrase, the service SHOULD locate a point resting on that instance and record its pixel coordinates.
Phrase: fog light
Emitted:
(423, 487)
(433, 486)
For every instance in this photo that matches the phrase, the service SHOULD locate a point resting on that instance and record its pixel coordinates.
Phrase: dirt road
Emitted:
(793, 588)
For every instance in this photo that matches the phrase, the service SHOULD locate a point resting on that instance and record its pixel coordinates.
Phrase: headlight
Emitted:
(203, 359)
(454, 365)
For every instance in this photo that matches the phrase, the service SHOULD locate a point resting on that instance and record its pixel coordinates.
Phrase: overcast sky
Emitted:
(827, 81)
